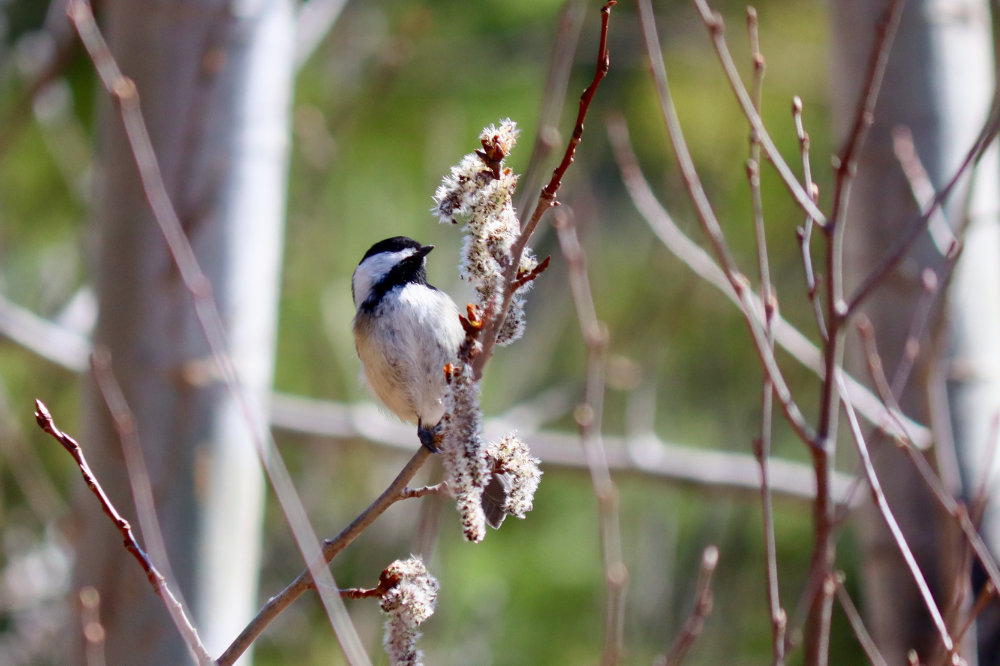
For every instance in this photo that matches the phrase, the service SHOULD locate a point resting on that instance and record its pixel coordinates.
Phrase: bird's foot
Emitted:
(429, 437)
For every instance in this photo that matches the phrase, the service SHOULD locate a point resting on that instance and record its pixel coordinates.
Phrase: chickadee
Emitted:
(405, 331)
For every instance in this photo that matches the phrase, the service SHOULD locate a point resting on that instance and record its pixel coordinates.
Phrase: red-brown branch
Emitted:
(547, 199)
(45, 421)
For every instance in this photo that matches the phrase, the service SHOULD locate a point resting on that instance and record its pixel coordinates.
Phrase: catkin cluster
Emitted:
(408, 601)
(478, 196)
(511, 457)
(463, 451)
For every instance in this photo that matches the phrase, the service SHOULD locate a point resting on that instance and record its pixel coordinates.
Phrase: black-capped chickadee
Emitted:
(405, 331)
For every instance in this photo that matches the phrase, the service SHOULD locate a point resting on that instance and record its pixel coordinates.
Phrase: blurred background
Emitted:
(392, 95)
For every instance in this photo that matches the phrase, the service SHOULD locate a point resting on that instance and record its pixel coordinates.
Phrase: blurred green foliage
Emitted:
(395, 95)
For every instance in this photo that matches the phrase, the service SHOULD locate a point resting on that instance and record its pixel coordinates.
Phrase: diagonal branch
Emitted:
(331, 548)
(883, 506)
(190, 635)
(703, 599)
(901, 246)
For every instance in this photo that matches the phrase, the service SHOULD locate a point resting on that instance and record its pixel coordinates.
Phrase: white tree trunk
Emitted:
(215, 80)
(938, 84)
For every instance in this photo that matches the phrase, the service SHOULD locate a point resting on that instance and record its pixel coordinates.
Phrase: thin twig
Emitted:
(897, 534)
(699, 261)
(857, 624)
(905, 239)
(805, 234)
(710, 225)
(923, 191)
(954, 508)
(190, 635)
(873, 361)
(934, 280)
(569, 24)
(713, 21)
(590, 419)
(986, 595)
(762, 444)
(123, 91)
(864, 115)
(702, 608)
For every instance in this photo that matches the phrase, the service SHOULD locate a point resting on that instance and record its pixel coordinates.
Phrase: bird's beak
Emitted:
(424, 251)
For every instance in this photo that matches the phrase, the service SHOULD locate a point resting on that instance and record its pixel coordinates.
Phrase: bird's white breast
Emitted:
(404, 345)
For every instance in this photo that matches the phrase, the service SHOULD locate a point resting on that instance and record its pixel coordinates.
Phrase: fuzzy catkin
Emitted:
(407, 602)
(478, 195)
(463, 452)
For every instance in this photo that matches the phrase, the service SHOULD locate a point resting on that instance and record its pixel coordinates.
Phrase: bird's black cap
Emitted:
(396, 244)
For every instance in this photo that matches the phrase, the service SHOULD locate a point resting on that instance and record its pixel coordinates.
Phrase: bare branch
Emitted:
(702, 608)
(570, 23)
(590, 418)
(857, 624)
(805, 233)
(723, 472)
(190, 635)
(331, 548)
(923, 191)
(710, 225)
(986, 595)
(762, 444)
(713, 21)
(138, 475)
(818, 625)
(897, 534)
(864, 115)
